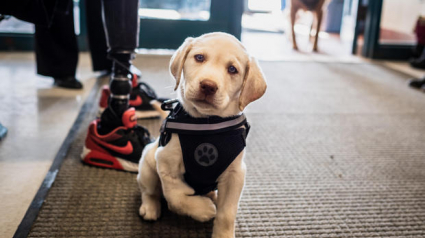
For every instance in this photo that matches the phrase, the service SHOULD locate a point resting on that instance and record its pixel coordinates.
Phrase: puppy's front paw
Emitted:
(150, 212)
(202, 208)
(223, 235)
(213, 196)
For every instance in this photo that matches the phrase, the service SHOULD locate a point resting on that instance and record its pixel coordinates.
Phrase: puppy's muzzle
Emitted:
(208, 87)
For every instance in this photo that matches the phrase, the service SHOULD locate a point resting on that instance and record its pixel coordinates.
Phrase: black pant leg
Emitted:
(121, 19)
(96, 36)
(56, 46)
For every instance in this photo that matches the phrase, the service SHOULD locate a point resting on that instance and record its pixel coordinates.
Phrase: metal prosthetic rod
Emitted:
(120, 94)
(120, 84)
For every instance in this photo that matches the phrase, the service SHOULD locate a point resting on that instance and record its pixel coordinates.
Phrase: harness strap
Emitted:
(204, 128)
(196, 126)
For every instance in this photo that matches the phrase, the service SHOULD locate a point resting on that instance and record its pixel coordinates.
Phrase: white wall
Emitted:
(401, 15)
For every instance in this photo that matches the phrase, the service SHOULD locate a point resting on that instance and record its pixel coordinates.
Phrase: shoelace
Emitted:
(143, 134)
(148, 90)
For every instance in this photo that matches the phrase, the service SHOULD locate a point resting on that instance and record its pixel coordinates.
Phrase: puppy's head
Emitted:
(219, 77)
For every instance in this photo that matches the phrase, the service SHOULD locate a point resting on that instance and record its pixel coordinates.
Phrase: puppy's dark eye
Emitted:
(199, 58)
(232, 70)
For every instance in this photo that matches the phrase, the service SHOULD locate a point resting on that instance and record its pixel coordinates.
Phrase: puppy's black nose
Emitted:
(208, 87)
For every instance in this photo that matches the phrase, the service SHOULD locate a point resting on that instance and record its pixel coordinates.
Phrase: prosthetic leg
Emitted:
(121, 21)
(141, 94)
(115, 140)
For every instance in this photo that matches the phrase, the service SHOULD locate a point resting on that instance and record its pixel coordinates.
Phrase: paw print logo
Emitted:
(206, 154)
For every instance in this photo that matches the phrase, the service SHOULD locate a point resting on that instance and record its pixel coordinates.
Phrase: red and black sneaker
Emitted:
(119, 149)
(141, 96)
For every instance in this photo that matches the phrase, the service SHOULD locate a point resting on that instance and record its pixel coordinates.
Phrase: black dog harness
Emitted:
(209, 145)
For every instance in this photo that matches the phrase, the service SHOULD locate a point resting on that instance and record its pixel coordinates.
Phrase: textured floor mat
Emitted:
(335, 150)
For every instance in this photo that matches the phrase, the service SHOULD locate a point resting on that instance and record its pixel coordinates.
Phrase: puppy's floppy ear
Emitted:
(178, 59)
(254, 84)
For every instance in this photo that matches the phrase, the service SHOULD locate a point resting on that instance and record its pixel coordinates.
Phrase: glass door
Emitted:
(390, 27)
(18, 35)
(166, 23)
(163, 23)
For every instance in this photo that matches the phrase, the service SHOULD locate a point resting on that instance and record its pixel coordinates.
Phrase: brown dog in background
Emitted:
(315, 6)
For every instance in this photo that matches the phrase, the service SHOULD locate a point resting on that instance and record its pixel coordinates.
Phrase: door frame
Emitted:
(372, 48)
(225, 16)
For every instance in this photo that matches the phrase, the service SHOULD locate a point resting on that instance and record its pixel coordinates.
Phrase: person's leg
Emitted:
(56, 50)
(419, 62)
(96, 36)
(122, 38)
(121, 22)
(116, 141)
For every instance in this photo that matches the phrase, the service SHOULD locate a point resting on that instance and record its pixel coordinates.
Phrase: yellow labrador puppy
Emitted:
(215, 80)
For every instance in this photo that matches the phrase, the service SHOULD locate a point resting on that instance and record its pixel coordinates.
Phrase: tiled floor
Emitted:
(405, 68)
(38, 116)
(278, 46)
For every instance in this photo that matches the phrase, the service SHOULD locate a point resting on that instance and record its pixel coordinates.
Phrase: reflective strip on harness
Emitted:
(205, 127)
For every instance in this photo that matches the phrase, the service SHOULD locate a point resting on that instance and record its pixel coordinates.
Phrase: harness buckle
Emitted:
(168, 105)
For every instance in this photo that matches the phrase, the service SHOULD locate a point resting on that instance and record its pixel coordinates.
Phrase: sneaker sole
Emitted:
(100, 159)
(139, 114)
